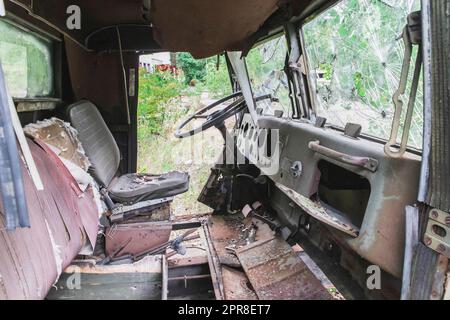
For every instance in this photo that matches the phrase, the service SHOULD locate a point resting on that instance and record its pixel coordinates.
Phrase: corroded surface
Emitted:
(236, 285)
(276, 272)
(62, 217)
(320, 213)
(144, 236)
(266, 268)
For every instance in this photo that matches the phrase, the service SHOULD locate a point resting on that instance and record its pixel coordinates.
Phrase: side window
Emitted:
(265, 65)
(27, 62)
(355, 61)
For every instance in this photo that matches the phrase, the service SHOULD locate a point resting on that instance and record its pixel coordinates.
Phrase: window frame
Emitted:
(294, 107)
(55, 97)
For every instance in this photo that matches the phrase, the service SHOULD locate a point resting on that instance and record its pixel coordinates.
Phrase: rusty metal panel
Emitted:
(276, 272)
(236, 285)
(316, 210)
(32, 259)
(144, 236)
(224, 234)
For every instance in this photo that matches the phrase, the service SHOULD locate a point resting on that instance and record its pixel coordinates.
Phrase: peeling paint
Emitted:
(56, 250)
(447, 287)
(57, 216)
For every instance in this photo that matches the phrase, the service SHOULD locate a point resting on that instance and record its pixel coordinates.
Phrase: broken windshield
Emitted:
(265, 64)
(355, 61)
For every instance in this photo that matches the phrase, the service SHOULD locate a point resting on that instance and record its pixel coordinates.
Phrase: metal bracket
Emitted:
(320, 122)
(411, 36)
(120, 212)
(362, 162)
(352, 130)
(437, 235)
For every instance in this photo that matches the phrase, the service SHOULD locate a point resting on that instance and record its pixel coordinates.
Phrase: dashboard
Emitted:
(347, 183)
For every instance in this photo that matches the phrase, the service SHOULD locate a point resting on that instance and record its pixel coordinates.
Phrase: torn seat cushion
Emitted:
(132, 188)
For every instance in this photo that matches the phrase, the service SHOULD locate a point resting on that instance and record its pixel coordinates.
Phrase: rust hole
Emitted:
(246, 284)
(438, 230)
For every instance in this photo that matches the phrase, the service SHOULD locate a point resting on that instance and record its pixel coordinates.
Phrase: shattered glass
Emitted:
(265, 64)
(355, 59)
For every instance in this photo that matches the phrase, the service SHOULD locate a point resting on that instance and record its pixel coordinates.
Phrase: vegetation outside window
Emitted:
(355, 61)
(265, 65)
(27, 61)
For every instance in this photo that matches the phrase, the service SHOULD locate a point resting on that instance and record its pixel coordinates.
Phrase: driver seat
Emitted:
(104, 155)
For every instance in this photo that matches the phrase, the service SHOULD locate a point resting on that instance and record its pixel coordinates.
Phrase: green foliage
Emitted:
(217, 82)
(26, 61)
(327, 68)
(359, 84)
(158, 89)
(262, 61)
(155, 91)
(193, 69)
(364, 44)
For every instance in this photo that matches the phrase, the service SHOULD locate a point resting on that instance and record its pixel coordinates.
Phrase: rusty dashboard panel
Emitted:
(63, 221)
(320, 213)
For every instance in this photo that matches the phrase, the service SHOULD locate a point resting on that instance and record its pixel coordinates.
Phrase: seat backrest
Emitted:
(98, 142)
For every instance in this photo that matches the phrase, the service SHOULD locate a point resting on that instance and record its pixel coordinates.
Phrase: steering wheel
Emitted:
(218, 117)
(214, 119)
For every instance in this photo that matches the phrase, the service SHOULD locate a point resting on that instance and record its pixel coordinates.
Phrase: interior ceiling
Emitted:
(202, 27)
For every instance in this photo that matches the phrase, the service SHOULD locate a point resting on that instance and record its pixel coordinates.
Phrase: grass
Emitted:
(163, 152)
(164, 101)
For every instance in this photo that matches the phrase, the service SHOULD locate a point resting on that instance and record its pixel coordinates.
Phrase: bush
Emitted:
(155, 91)
(217, 82)
(193, 69)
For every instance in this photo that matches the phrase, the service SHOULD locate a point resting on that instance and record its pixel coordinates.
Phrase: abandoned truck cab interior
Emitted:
(330, 179)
